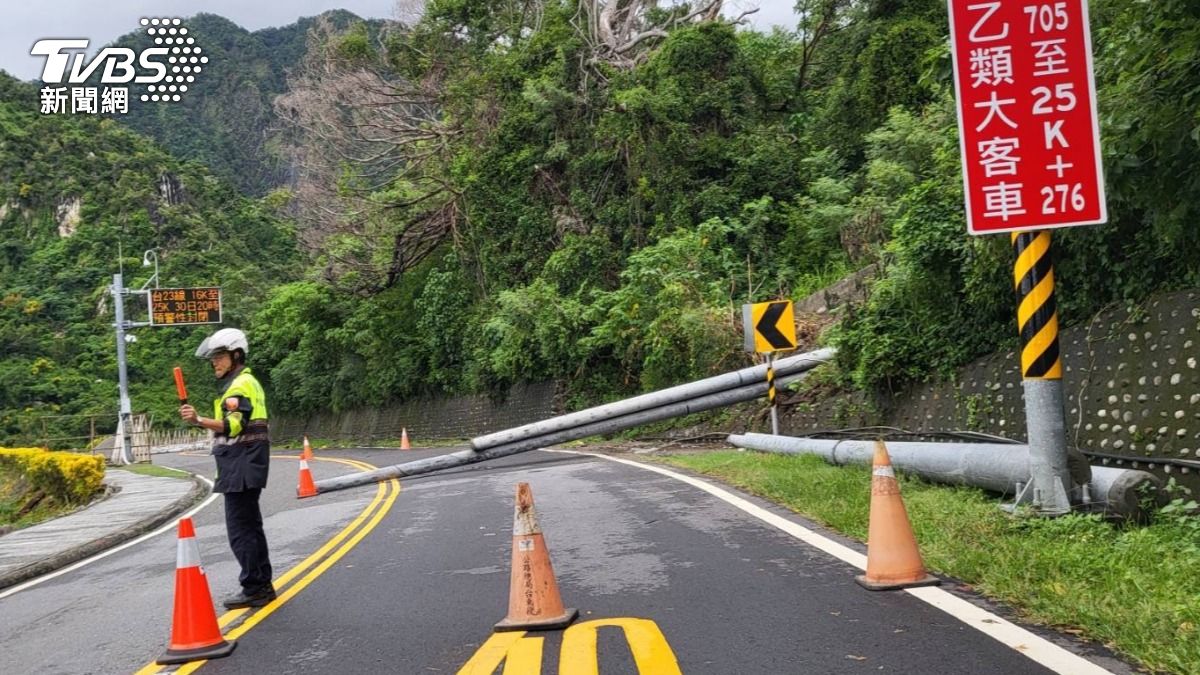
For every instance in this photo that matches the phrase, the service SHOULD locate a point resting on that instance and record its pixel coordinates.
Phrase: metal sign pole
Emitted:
(771, 393)
(118, 292)
(1029, 137)
(1041, 374)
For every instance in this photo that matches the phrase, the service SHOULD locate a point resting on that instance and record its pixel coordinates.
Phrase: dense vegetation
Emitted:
(600, 218)
(512, 191)
(55, 310)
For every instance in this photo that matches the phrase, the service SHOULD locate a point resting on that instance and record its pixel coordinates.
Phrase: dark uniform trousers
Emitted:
(243, 522)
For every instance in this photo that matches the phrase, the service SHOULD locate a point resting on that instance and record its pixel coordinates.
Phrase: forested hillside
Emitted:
(73, 189)
(227, 122)
(588, 192)
(513, 191)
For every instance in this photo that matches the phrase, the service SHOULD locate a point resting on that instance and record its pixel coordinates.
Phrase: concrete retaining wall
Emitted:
(1132, 379)
(425, 419)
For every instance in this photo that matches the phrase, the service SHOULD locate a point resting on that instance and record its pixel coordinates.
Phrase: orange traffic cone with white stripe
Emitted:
(404, 444)
(306, 454)
(893, 559)
(195, 635)
(306, 487)
(533, 599)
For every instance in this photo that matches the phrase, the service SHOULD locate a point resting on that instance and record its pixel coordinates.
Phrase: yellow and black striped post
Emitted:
(771, 393)
(1037, 314)
(1041, 374)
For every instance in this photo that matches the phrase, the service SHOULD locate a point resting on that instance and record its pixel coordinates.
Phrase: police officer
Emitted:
(241, 446)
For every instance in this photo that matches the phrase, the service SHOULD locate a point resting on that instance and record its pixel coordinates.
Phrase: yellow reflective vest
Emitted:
(243, 448)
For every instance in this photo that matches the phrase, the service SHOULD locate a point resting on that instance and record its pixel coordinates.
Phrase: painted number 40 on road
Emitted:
(1027, 122)
(522, 655)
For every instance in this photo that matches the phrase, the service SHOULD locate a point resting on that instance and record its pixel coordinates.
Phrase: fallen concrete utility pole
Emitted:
(998, 467)
(719, 399)
(684, 392)
(604, 426)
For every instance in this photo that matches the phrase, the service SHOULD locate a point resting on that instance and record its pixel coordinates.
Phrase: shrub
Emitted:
(68, 477)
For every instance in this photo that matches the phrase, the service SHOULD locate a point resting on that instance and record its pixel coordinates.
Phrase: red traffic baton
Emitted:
(180, 388)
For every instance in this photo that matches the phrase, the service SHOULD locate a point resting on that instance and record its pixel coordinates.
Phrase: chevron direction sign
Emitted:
(769, 326)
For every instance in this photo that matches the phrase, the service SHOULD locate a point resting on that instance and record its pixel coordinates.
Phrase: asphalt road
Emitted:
(411, 579)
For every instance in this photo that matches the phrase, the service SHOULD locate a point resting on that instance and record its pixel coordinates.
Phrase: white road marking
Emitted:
(998, 628)
(104, 554)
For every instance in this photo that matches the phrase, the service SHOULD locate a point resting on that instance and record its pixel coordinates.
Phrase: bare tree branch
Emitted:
(619, 32)
(819, 19)
(366, 146)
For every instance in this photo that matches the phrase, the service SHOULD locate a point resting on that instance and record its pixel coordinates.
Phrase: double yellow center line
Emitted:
(324, 558)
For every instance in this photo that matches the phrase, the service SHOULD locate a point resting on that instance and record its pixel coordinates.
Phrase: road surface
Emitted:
(411, 577)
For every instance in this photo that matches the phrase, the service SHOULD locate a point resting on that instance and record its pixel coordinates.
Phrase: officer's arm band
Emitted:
(244, 406)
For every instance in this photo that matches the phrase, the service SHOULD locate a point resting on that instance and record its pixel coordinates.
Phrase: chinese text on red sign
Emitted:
(1026, 114)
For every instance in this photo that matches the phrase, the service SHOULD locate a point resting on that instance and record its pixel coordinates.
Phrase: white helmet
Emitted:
(224, 340)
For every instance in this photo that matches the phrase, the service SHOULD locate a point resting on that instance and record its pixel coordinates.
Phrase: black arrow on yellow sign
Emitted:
(768, 326)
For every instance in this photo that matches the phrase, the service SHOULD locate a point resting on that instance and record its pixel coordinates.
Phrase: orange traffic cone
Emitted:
(533, 599)
(195, 635)
(404, 444)
(893, 559)
(307, 453)
(306, 488)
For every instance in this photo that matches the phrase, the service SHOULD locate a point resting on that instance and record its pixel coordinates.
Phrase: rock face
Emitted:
(854, 288)
(69, 216)
(169, 190)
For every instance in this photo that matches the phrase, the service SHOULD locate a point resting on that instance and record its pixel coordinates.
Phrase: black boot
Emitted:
(250, 599)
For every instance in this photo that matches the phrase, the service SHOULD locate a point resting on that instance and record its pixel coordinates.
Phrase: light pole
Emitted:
(118, 293)
(149, 257)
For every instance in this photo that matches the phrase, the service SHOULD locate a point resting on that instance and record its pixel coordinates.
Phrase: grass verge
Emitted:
(153, 470)
(1136, 589)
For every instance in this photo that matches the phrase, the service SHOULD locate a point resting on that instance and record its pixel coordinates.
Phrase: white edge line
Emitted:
(996, 627)
(116, 549)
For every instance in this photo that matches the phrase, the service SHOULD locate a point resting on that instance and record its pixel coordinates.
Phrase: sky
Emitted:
(101, 22)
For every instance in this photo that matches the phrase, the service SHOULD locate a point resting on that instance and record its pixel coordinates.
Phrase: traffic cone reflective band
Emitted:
(306, 488)
(195, 635)
(404, 444)
(533, 599)
(893, 559)
(307, 452)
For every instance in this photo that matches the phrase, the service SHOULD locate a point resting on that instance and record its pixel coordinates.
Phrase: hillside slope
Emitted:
(73, 191)
(227, 123)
